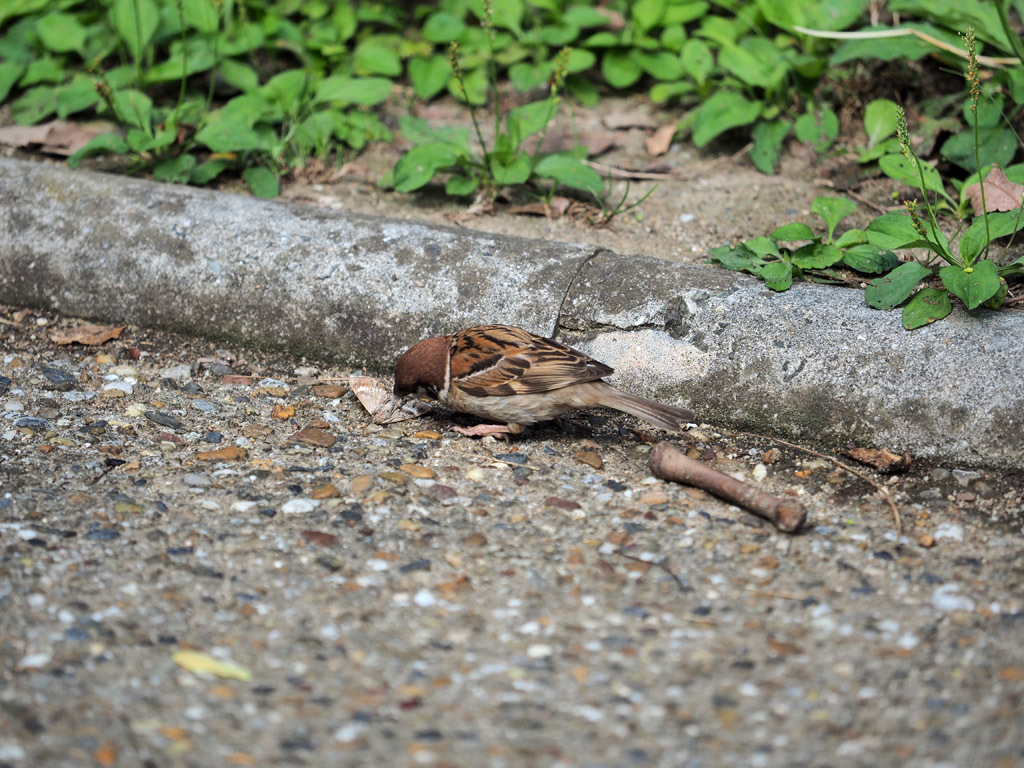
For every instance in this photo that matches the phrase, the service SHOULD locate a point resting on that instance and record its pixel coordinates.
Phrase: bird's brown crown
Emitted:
(424, 365)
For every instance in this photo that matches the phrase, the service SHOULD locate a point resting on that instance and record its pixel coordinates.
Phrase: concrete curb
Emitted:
(814, 363)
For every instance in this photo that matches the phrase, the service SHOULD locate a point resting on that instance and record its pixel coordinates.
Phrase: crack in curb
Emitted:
(568, 288)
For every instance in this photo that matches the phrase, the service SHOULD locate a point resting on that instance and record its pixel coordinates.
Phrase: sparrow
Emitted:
(505, 374)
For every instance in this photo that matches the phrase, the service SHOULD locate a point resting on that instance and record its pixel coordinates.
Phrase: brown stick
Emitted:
(669, 463)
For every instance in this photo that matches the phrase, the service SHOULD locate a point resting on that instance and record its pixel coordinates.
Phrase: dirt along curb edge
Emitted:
(813, 363)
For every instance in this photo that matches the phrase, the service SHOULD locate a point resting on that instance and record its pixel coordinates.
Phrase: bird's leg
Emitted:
(498, 430)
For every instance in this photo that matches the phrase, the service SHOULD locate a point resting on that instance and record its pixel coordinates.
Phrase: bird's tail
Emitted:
(660, 415)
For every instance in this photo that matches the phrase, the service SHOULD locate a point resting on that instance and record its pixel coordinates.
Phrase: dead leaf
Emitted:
(615, 19)
(659, 143)
(881, 459)
(88, 334)
(320, 538)
(57, 137)
(377, 399)
(631, 119)
(596, 142)
(557, 208)
(1001, 194)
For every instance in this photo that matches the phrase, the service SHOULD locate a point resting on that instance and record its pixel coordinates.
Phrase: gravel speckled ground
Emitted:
(405, 596)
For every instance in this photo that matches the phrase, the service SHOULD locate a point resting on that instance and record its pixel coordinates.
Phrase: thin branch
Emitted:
(882, 490)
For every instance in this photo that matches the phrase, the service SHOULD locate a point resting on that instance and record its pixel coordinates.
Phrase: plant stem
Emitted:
(1002, 7)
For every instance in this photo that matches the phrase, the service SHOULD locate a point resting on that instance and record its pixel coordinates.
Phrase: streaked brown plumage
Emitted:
(503, 373)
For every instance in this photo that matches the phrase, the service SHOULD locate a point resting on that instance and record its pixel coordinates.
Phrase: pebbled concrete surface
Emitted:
(814, 363)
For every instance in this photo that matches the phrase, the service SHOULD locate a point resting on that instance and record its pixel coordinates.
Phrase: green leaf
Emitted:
(724, 110)
(133, 108)
(286, 90)
(768, 137)
(833, 210)
(662, 92)
(416, 130)
(105, 143)
(909, 48)
(9, 74)
(826, 14)
(647, 13)
(794, 231)
(418, 166)
(892, 231)
(684, 12)
(45, 70)
(530, 118)
(620, 70)
(996, 146)
(870, 259)
(817, 256)
(893, 289)
(201, 15)
(818, 129)
(476, 87)
(10, 9)
(661, 65)
(763, 246)
(778, 275)
(261, 181)
(239, 75)
(514, 172)
(888, 147)
(341, 89)
(697, 60)
(228, 133)
(973, 285)
(374, 56)
(507, 15)
(77, 95)
(743, 64)
(975, 238)
(135, 22)
(206, 172)
(880, 120)
(527, 75)
(927, 306)
(852, 237)
(461, 186)
(197, 57)
(443, 27)
(899, 168)
(176, 170)
(61, 33)
(570, 172)
(429, 75)
(584, 16)
(738, 259)
(34, 105)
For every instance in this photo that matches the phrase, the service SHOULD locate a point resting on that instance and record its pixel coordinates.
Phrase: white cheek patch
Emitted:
(381, 404)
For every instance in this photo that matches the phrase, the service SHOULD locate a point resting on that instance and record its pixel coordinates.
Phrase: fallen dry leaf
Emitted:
(57, 137)
(881, 459)
(631, 119)
(557, 208)
(377, 399)
(1001, 194)
(783, 648)
(596, 142)
(659, 143)
(88, 334)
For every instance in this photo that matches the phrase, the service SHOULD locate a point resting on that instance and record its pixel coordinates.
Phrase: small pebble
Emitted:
(299, 506)
(948, 598)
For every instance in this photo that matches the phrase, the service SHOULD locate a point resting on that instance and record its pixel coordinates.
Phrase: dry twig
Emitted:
(669, 463)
